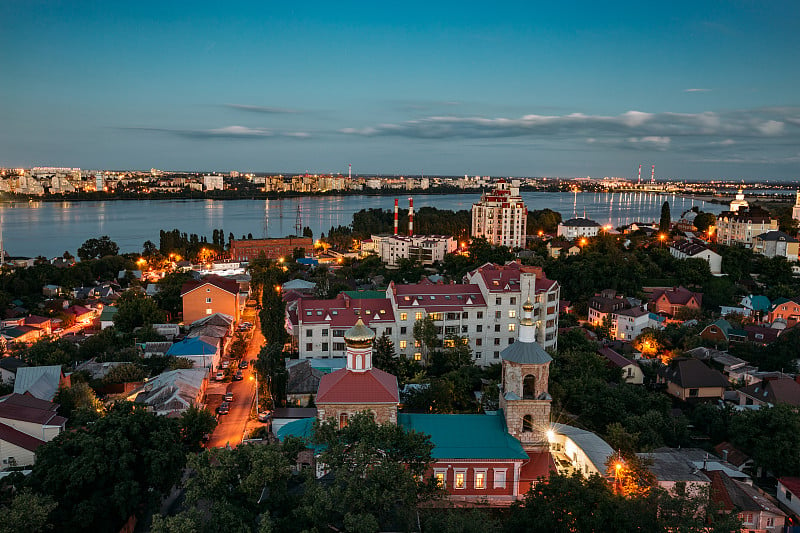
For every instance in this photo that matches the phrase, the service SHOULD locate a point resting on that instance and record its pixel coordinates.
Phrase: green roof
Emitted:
(526, 353)
(760, 303)
(466, 436)
(365, 295)
(297, 428)
(108, 313)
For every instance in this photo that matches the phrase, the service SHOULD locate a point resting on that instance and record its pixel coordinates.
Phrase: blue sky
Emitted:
(701, 89)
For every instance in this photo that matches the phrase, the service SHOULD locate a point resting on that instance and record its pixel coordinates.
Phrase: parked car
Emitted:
(226, 364)
(220, 375)
(238, 376)
(264, 416)
(228, 397)
(224, 408)
(243, 363)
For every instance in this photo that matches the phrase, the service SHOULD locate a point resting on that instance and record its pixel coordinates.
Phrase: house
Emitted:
(173, 392)
(776, 244)
(83, 315)
(756, 306)
(631, 371)
(629, 323)
(580, 450)
(770, 392)
(491, 459)
(212, 294)
(575, 228)
(757, 510)
(785, 309)
(603, 305)
(789, 493)
(202, 354)
(734, 456)
(671, 466)
(19, 335)
(299, 285)
(107, 316)
(26, 423)
(52, 291)
(761, 335)
(40, 381)
(697, 249)
(8, 368)
(721, 332)
(156, 349)
(559, 249)
(670, 301)
(691, 380)
(302, 383)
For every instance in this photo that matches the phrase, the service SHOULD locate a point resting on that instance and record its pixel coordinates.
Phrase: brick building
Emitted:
(212, 294)
(249, 249)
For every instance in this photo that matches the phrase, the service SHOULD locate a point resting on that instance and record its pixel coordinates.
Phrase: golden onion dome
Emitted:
(527, 313)
(359, 336)
(527, 306)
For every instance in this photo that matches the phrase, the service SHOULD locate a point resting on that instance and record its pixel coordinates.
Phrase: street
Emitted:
(230, 427)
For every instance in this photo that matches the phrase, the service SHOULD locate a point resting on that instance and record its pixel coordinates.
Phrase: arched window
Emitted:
(529, 388)
(342, 420)
(359, 363)
(527, 424)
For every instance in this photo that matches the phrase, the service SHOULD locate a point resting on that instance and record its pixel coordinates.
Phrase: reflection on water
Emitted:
(49, 228)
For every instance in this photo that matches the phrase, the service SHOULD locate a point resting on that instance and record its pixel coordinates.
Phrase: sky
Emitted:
(700, 89)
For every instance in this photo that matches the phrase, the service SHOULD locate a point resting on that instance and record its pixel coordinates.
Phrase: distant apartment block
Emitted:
(501, 216)
(576, 228)
(425, 249)
(742, 226)
(249, 249)
(213, 182)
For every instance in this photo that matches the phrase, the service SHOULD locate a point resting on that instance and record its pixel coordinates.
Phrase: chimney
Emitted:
(725, 455)
(410, 217)
(396, 210)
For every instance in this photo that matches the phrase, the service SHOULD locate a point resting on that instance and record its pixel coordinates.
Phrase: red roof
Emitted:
(438, 297)
(791, 483)
(505, 278)
(18, 438)
(540, 466)
(227, 285)
(26, 408)
(345, 386)
(344, 312)
(677, 295)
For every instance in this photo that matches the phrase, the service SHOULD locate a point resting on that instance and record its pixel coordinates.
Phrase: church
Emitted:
(488, 458)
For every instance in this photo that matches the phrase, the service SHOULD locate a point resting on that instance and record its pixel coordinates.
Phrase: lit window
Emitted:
(499, 479)
(208, 300)
(403, 316)
(417, 344)
(418, 315)
(512, 313)
(403, 345)
(480, 479)
(440, 476)
(461, 479)
(512, 327)
(342, 420)
(417, 356)
(449, 343)
(209, 311)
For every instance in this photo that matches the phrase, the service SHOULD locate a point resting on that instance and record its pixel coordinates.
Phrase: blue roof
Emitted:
(466, 436)
(297, 428)
(759, 303)
(191, 346)
(307, 261)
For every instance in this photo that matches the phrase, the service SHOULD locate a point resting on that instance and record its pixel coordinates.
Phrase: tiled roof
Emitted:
(505, 278)
(344, 386)
(343, 312)
(431, 297)
(466, 436)
(26, 408)
(690, 247)
(11, 363)
(734, 456)
(526, 353)
(774, 391)
(226, 285)
(677, 295)
(615, 358)
(776, 236)
(18, 438)
(692, 373)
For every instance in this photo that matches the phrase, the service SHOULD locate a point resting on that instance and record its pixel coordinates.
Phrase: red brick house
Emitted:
(249, 249)
(212, 294)
(669, 301)
(788, 310)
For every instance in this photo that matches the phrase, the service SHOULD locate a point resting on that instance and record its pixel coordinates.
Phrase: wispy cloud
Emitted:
(227, 132)
(697, 90)
(262, 109)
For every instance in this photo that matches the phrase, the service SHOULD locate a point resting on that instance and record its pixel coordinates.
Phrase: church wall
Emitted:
(383, 412)
(540, 413)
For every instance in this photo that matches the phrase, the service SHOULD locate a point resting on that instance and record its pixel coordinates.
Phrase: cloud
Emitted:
(697, 90)
(262, 109)
(227, 132)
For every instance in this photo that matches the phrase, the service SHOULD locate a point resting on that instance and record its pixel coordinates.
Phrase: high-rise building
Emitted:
(501, 216)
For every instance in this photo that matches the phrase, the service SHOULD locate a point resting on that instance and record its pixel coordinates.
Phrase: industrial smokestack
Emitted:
(410, 217)
(349, 171)
(640, 174)
(653, 175)
(396, 212)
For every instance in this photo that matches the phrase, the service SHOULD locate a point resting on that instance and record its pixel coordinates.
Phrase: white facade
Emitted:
(213, 182)
(426, 249)
(501, 216)
(692, 250)
(576, 228)
(788, 496)
(629, 323)
(796, 208)
(741, 227)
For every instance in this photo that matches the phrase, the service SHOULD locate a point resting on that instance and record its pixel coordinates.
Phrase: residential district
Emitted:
(542, 375)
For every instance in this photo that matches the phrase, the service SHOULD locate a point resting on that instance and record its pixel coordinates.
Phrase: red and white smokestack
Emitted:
(410, 217)
(349, 171)
(640, 173)
(396, 212)
(653, 175)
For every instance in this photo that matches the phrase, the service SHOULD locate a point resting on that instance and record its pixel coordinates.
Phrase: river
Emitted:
(51, 228)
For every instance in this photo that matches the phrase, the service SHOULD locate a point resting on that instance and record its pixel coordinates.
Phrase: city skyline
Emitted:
(701, 91)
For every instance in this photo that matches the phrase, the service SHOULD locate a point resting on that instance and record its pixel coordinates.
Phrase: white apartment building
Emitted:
(501, 216)
(742, 226)
(485, 309)
(213, 182)
(576, 228)
(426, 249)
(696, 249)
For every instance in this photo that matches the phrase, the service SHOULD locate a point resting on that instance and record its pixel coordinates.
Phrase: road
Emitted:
(230, 429)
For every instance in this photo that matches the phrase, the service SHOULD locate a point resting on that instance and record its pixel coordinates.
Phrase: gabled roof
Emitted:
(171, 391)
(735, 495)
(40, 381)
(677, 295)
(758, 302)
(734, 455)
(580, 223)
(505, 278)
(774, 391)
(692, 373)
(344, 386)
(225, 284)
(298, 284)
(466, 436)
(11, 364)
(433, 297)
(526, 353)
(18, 438)
(191, 346)
(27, 408)
(596, 449)
(343, 312)
(216, 319)
(791, 483)
(777, 236)
(615, 358)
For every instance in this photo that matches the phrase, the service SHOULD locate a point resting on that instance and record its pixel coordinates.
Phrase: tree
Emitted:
(149, 249)
(27, 512)
(96, 248)
(195, 424)
(136, 310)
(703, 221)
(425, 334)
(168, 296)
(666, 221)
(771, 437)
(384, 356)
(78, 403)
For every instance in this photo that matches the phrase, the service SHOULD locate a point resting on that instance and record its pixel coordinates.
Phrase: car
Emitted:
(238, 376)
(228, 397)
(220, 375)
(226, 364)
(224, 408)
(264, 416)
(243, 363)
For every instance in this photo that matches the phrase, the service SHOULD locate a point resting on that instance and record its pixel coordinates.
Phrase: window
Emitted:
(209, 311)
(479, 328)
(477, 355)
(461, 479)
(325, 332)
(388, 331)
(498, 314)
(417, 344)
(529, 387)
(403, 345)
(208, 289)
(497, 355)
(497, 341)
(512, 313)
(693, 392)
(309, 346)
(770, 522)
(338, 333)
(309, 333)
(418, 315)
(788, 496)
(339, 347)
(441, 476)
(403, 316)
(747, 518)
(417, 356)
(464, 315)
(208, 300)
(499, 479)
(512, 327)
(527, 424)
(480, 314)
(498, 301)
(449, 343)
(497, 328)
(478, 342)
(464, 329)
(342, 420)
(513, 300)
(480, 479)
(324, 346)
